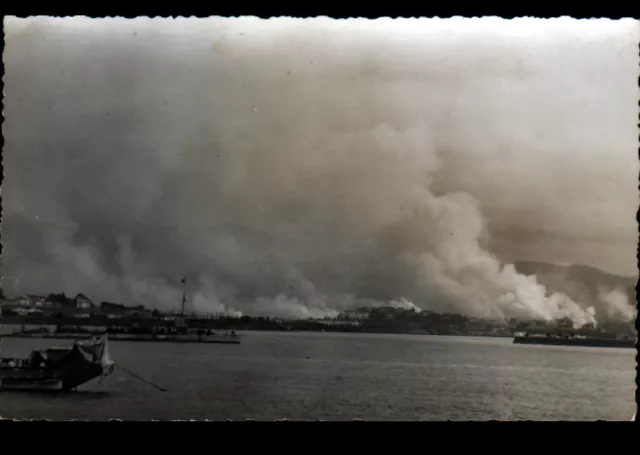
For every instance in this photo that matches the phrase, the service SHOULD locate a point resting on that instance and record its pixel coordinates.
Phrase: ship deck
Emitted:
(566, 341)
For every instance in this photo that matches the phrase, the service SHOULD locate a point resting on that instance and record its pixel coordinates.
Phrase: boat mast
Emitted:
(184, 294)
(0, 363)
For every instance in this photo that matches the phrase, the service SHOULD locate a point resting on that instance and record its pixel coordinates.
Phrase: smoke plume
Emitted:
(298, 168)
(618, 305)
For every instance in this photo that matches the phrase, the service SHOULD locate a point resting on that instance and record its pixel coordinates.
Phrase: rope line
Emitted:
(141, 379)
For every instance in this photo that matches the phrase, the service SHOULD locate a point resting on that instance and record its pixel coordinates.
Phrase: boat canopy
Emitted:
(79, 354)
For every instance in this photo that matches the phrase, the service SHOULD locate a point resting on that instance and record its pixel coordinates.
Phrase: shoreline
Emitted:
(76, 327)
(88, 329)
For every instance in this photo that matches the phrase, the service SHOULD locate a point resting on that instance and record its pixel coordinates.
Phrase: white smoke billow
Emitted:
(298, 169)
(617, 304)
(432, 238)
(435, 237)
(404, 304)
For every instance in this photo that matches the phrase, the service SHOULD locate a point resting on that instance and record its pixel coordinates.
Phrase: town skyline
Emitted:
(626, 284)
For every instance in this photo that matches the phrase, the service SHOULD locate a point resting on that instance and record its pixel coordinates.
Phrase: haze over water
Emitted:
(332, 376)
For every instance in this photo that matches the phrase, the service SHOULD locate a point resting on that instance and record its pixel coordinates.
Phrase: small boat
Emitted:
(57, 368)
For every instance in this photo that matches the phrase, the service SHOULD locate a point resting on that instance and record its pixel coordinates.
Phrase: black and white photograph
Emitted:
(319, 219)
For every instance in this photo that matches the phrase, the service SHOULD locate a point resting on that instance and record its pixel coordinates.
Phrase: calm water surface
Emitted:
(308, 376)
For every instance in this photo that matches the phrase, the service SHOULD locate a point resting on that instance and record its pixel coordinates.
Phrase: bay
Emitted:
(339, 376)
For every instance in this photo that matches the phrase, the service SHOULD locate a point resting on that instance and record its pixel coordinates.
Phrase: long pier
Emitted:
(167, 338)
(103, 321)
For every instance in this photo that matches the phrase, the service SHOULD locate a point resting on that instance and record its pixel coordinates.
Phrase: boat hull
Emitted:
(26, 385)
(57, 368)
(46, 378)
(586, 342)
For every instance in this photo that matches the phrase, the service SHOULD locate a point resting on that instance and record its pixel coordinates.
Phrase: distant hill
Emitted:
(580, 282)
(582, 273)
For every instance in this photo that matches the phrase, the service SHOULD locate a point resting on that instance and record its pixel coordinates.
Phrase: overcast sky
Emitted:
(277, 162)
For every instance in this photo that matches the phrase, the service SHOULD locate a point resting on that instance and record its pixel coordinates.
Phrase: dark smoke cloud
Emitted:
(300, 167)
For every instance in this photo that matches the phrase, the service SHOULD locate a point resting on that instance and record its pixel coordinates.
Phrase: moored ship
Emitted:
(563, 338)
(57, 368)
